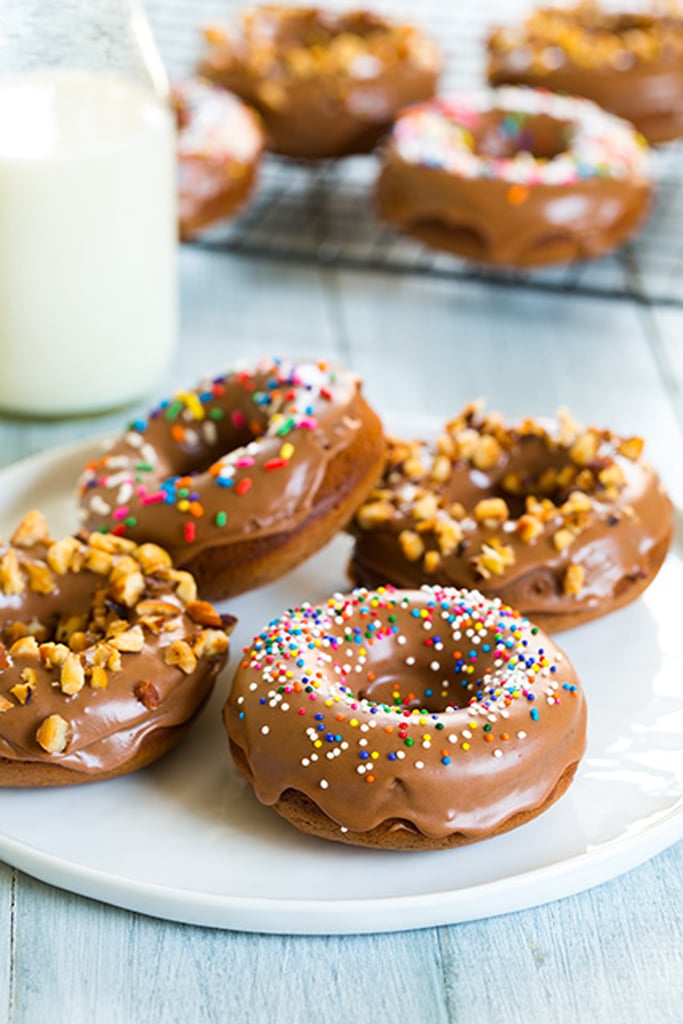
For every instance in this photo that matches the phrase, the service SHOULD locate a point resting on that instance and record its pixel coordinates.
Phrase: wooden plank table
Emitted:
(613, 953)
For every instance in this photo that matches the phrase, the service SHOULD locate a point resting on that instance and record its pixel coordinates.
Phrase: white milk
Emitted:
(87, 242)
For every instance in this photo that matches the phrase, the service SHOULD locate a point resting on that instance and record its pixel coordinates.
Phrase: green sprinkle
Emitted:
(216, 414)
(143, 467)
(174, 409)
(130, 521)
(409, 742)
(221, 518)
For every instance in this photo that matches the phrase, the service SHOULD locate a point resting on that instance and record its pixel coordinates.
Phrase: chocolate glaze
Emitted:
(107, 727)
(313, 103)
(253, 447)
(368, 707)
(619, 541)
(648, 90)
(220, 142)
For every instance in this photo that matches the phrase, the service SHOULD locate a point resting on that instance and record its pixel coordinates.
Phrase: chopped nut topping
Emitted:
(4, 658)
(53, 734)
(585, 448)
(573, 579)
(563, 539)
(186, 588)
(32, 529)
(11, 577)
(491, 512)
(111, 543)
(448, 534)
(528, 528)
(129, 589)
(204, 614)
(157, 608)
(569, 428)
(612, 476)
(412, 545)
(72, 677)
(457, 510)
(99, 680)
(130, 641)
(53, 655)
(181, 654)
(40, 578)
(441, 469)
(60, 553)
(493, 559)
(152, 558)
(123, 566)
(486, 453)
(431, 561)
(5, 705)
(98, 561)
(23, 691)
(414, 468)
(209, 643)
(147, 694)
(70, 625)
(512, 483)
(107, 656)
(631, 448)
(426, 507)
(373, 514)
(25, 647)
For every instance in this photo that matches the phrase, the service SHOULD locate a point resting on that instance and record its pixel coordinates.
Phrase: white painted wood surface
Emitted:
(613, 954)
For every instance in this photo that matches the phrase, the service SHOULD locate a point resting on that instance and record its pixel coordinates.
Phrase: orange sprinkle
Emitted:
(369, 778)
(177, 432)
(196, 509)
(371, 677)
(517, 194)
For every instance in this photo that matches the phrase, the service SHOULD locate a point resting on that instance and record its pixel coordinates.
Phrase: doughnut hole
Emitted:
(503, 135)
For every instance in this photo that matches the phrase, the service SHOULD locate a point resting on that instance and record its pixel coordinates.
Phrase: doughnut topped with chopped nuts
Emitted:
(563, 523)
(409, 720)
(243, 477)
(106, 655)
(327, 84)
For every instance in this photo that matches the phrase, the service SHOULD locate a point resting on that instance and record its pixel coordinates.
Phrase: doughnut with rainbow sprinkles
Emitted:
(406, 719)
(515, 176)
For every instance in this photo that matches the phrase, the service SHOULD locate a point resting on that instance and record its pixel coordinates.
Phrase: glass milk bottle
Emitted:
(87, 207)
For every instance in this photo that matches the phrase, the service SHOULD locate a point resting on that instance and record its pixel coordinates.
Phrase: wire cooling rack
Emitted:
(324, 213)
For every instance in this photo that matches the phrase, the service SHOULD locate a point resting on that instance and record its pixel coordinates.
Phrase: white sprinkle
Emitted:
(419, 764)
(324, 783)
(401, 640)
(99, 506)
(435, 666)
(410, 660)
(133, 440)
(265, 729)
(304, 762)
(521, 735)
(497, 752)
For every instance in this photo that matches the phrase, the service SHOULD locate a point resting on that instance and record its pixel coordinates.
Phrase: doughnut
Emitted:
(562, 522)
(630, 63)
(245, 476)
(516, 177)
(406, 719)
(325, 84)
(106, 655)
(220, 141)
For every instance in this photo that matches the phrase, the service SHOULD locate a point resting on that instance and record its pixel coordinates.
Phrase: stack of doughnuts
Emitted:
(325, 84)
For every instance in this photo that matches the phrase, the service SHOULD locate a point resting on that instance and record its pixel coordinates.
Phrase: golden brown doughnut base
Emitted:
(25, 774)
(394, 833)
(223, 572)
(196, 212)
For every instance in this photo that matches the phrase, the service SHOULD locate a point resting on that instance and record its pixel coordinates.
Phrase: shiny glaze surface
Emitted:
(438, 708)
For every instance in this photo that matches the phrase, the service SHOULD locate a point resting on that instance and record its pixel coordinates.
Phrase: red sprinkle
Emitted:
(189, 531)
(275, 463)
(244, 485)
(238, 418)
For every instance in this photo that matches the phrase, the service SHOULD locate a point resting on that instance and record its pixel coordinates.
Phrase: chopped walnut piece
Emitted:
(5, 705)
(426, 507)
(491, 512)
(152, 558)
(493, 559)
(585, 448)
(128, 589)
(574, 578)
(528, 528)
(209, 643)
(204, 614)
(53, 734)
(40, 578)
(72, 624)
(544, 509)
(414, 468)
(60, 553)
(72, 676)
(107, 656)
(563, 539)
(186, 588)
(111, 543)
(123, 566)
(441, 469)
(487, 452)
(11, 577)
(512, 483)
(181, 654)
(53, 655)
(373, 514)
(98, 561)
(25, 647)
(585, 480)
(631, 448)
(32, 529)
(147, 693)
(4, 658)
(547, 481)
(431, 561)
(457, 510)
(412, 545)
(448, 534)
(445, 445)
(24, 691)
(612, 476)
(99, 680)
(130, 641)
(156, 608)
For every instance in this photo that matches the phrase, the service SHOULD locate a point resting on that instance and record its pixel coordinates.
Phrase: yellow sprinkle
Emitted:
(192, 403)
(353, 723)
(374, 755)
(287, 450)
(465, 746)
(318, 743)
(183, 505)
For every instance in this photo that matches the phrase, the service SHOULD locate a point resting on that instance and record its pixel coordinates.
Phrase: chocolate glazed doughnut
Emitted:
(106, 656)
(630, 63)
(406, 720)
(564, 523)
(514, 177)
(243, 477)
(325, 84)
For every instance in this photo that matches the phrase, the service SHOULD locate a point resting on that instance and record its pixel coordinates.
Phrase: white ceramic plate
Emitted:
(186, 840)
